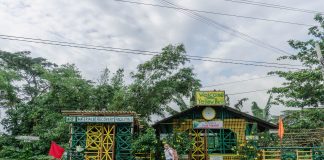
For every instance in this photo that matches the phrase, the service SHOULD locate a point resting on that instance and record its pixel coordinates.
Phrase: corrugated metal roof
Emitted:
(94, 112)
(242, 114)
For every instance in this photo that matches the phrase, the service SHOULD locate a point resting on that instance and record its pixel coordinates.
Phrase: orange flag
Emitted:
(281, 129)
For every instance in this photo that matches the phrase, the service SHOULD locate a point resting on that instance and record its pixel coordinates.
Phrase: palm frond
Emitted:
(256, 110)
(239, 104)
(266, 111)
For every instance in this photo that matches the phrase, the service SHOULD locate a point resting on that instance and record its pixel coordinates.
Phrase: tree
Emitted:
(146, 142)
(110, 93)
(262, 113)
(304, 119)
(304, 87)
(160, 81)
(239, 104)
(36, 91)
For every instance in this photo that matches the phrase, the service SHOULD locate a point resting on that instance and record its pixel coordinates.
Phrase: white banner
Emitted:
(207, 125)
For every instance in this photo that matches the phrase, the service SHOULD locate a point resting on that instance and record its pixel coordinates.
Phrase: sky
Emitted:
(133, 26)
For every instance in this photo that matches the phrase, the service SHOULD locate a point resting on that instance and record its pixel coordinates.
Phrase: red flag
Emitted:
(56, 151)
(281, 129)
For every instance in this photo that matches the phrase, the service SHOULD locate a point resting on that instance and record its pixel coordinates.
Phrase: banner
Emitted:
(207, 125)
(99, 119)
(212, 157)
(210, 98)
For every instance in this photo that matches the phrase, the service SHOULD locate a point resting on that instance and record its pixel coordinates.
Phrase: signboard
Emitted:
(252, 138)
(27, 138)
(212, 157)
(210, 97)
(207, 125)
(99, 119)
(273, 131)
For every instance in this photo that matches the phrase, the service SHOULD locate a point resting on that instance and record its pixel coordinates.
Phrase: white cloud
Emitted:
(117, 24)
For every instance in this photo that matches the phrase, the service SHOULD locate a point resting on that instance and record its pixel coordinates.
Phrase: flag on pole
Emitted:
(56, 151)
(281, 129)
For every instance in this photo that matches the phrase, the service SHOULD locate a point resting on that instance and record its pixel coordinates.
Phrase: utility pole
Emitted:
(320, 57)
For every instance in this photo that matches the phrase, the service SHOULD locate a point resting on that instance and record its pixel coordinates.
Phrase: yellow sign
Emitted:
(210, 98)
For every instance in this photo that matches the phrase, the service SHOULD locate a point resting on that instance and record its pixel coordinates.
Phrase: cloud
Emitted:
(116, 24)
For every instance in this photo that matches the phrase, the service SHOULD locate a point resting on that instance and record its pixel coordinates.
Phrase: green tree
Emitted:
(180, 141)
(110, 93)
(160, 81)
(146, 142)
(304, 119)
(239, 104)
(35, 92)
(304, 87)
(262, 113)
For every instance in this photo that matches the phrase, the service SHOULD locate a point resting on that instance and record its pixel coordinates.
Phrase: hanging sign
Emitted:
(212, 157)
(207, 125)
(252, 138)
(210, 98)
(27, 138)
(99, 119)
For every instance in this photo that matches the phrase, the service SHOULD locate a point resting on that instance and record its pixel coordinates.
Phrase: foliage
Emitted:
(239, 104)
(145, 143)
(160, 81)
(304, 119)
(262, 113)
(304, 87)
(36, 91)
(249, 150)
(227, 100)
(180, 141)
(267, 139)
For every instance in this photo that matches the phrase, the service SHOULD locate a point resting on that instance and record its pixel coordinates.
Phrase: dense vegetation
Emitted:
(36, 91)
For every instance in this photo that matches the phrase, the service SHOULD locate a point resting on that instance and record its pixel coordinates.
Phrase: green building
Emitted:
(101, 135)
(217, 130)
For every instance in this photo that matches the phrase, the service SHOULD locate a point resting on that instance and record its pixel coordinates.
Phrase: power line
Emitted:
(260, 90)
(233, 82)
(136, 50)
(229, 30)
(247, 64)
(216, 13)
(129, 51)
(247, 61)
(269, 5)
(79, 44)
(75, 46)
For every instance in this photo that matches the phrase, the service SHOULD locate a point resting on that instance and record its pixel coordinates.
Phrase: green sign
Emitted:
(210, 98)
(99, 119)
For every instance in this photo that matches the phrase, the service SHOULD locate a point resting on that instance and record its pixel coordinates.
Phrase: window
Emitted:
(221, 141)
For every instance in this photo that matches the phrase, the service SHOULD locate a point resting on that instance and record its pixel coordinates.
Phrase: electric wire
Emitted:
(75, 46)
(233, 82)
(143, 52)
(139, 53)
(246, 92)
(269, 5)
(247, 64)
(114, 51)
(229, 30)
(216, 13)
